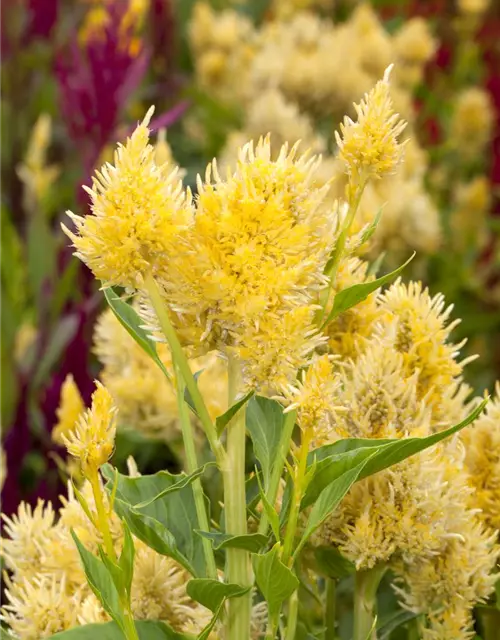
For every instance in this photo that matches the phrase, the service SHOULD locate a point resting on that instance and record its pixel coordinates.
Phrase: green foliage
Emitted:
(222, 421)
(274, 579)
(102, 582)
(264, 421)
(251, 541)
(352, 296)
(212, 593)
(167, 524)
(147, 630)
(332, 564)
(334, 460)
(130, 320)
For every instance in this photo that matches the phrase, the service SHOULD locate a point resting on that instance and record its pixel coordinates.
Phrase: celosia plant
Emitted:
(342, 390)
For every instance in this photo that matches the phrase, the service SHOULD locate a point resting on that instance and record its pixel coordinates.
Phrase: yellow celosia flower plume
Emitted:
(93, 439)
(254, 259)
(70, 408)
(137, 211)
(370, 146)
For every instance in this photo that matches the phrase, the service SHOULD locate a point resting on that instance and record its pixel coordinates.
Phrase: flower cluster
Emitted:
(47, 591)
(402, 379)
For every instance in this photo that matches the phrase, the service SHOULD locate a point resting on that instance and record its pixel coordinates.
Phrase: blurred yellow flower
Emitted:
(472, 122)
(36, 175)
(70, 408)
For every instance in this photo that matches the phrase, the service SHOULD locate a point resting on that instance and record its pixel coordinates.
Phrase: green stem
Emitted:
(330, 608)
(413, 630)
(365, 602)
(293, 611)
(103, 525)
(340, 249)
(298, 486)
(238, 567)
(274, 482)
(130, 629)
(102, 515)
(179, 357)
(192, 465)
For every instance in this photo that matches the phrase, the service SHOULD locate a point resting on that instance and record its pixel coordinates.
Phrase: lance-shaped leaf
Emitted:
(351, 296)
(332, 564)
(333, 460)
(222, 421)
(250, 542)
(147, 630)
(212, 593)
(264, 421)
(274, 579)
(101, 582)
(131, 321)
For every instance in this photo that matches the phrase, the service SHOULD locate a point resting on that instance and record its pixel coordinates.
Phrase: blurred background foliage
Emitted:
(78, 74)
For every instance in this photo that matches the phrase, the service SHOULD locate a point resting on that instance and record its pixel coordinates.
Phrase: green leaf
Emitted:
(187, 396)
(250, 542)
(212, 593)
(272, 514)
(274, 579)
(264, 421)
(222, 421)
(332, 564)
(147, 630)
(393, 621)
(179, 482)
(61, 336)
(351, 296)
(208, 629)
(131, 321)
(154, 533)
(371, 228)
(334, 460)
(127, 556)
(101, 582)
(328, 500)
(166, 525)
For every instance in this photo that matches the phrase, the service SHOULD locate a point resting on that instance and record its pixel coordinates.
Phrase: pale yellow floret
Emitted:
(40, 608)
(313, 397)
(482, 459)
(92, 440)
(137, 212)
(469, 219)
(70, 408)
(449, 584)
(370, 146)
(417, 326)
(29, 531)
(159, 592)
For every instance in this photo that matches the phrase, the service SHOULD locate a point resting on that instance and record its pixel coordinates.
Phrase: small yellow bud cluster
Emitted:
(93, 439)
(370, 146)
